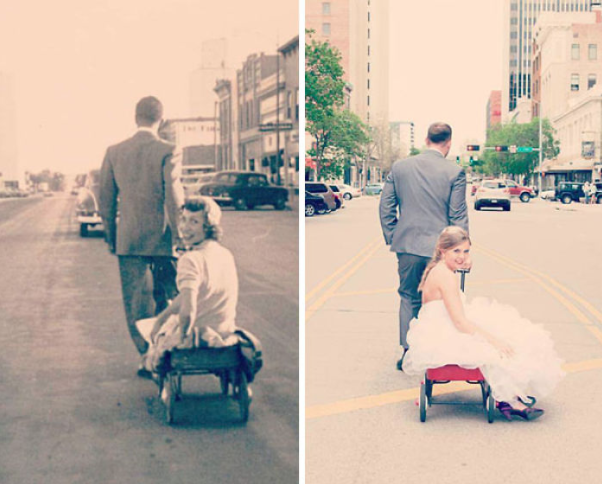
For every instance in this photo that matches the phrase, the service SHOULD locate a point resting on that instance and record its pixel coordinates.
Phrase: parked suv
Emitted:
(568, 192)
(323, 189)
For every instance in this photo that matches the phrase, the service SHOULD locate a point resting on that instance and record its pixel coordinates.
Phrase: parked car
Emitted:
(492, 193)
(339, 200)
(568, 192)
(87, 210)
(314, 203)
(194, 188)
(244, 190)
(320, 188)
(374, 188)
(349, 192)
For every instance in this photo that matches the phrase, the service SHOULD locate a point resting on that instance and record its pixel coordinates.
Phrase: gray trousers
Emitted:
(148, 283)
(410, 268)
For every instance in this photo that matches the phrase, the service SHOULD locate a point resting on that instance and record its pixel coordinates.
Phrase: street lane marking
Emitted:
(587, 305)
(325, 282)
(409, 394)
(563, 300)
(344, 278)
(393, 290)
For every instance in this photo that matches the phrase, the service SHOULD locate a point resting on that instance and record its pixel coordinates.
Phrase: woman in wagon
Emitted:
(204, 312)
(516, 357)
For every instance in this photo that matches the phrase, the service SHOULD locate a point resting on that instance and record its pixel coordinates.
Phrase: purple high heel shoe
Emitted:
(529, 413)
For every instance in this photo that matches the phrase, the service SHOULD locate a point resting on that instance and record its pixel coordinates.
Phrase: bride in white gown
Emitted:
(516, 356)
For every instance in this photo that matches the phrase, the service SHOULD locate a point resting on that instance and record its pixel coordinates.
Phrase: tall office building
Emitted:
(519, 19)
(360, 30)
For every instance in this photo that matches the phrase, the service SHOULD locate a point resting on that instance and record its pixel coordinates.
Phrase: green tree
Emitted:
(338, 134)
(527, 134)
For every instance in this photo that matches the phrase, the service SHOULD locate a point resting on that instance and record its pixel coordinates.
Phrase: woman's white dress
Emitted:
(434, 341)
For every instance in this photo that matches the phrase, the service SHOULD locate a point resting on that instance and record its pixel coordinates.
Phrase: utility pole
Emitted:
(278, 179)
(540, 145)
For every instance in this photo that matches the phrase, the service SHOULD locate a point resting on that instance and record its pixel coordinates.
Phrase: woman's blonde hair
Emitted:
(449, 238)
(212, 215)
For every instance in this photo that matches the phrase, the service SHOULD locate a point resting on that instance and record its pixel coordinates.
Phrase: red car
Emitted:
(516, 191)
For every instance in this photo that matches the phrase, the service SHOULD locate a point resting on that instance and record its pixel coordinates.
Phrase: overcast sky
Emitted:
(80, 66)
(446, 58)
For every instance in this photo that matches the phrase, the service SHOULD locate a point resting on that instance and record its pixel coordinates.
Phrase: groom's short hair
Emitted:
(149, 110)
(439, 133)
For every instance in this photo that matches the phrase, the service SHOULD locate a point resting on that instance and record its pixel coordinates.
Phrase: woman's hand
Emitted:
(155, 331)
(504, 348)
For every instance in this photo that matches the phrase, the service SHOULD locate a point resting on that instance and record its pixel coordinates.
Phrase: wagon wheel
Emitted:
(484, 392)
(224, 381)
(490, 405)
(178, 389)
(169, 398)
(422, 402)
(242, 395)
(429, 391)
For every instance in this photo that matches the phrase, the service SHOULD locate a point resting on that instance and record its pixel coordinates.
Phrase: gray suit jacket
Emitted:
(423, 194)
(140, 180)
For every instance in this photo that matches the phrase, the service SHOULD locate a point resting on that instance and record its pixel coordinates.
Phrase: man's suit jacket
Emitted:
(140, 181)
(423, 194)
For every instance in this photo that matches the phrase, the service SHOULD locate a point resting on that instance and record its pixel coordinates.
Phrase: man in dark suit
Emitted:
(423, 194)
(140, 198)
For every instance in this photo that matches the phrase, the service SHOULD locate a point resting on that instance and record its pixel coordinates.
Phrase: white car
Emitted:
(349, 192)
(193, 189)
(492, 193)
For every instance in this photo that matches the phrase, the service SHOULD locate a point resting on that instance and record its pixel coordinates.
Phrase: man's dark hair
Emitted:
(439, 133)
(149, 110)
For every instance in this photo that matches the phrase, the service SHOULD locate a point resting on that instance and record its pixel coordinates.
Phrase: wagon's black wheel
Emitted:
(422, 402)
(490, 406)
(178, 383)
(243, 396)
(224, 381)
(169, 397)
(429, 391)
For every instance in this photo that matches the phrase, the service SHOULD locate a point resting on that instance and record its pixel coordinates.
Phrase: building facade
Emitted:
(493, 113)
(290, 60)
(520, 17)
(567, 91)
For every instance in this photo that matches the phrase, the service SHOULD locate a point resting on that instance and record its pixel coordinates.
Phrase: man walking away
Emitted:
(140, 186)
(422, 195)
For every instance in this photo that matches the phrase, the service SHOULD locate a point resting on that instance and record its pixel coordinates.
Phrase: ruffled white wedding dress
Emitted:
(434, 341)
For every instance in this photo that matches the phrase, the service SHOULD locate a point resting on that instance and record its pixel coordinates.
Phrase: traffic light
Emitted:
(471, 161)
(458, 160)
(472, 147)
(501, 148)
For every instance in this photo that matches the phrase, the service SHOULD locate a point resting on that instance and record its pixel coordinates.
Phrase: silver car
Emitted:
(492, 193)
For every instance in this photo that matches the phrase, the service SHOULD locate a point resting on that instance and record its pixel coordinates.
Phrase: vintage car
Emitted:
(87, 210)
(244, 190)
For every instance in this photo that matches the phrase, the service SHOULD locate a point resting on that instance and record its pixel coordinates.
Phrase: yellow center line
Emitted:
(587, 305)
(409, 394)
(559, 297)
(328, 294)
(325, 282)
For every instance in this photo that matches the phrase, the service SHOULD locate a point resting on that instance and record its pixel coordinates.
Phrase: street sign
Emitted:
(274, 127)
(524, 149)
(512, 148)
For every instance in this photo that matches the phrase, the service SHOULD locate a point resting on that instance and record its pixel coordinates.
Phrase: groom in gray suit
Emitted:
(423, 194)
(140, 199)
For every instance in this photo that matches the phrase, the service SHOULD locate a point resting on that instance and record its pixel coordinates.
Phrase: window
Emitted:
(368, 83)
(368, 66)
(574, 82)
(368, 16)
(368, 101)
(325, 8)
(368, 50)
(513, 21)
(591, 81)
(575, 52)
(289, 104)
(326, 29)
(368, 33)
(592, 51)
(297, 104)
(513, 35)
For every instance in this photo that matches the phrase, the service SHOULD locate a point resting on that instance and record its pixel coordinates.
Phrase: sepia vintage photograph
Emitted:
(149, 240)
(453, 193)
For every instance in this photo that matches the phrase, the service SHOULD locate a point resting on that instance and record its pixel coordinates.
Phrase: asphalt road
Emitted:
(362, 424)
(73, 410)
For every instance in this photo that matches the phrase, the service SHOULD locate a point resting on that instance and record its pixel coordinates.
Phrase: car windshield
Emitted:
(494, 185)
(225, 178)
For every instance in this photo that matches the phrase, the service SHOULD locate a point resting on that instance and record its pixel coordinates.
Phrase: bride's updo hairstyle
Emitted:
(212, 215)
(449, 238)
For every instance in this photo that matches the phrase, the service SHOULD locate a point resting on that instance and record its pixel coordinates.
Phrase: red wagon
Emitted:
(448, 373)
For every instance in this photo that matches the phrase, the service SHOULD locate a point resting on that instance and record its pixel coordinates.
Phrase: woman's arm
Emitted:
(187, 308)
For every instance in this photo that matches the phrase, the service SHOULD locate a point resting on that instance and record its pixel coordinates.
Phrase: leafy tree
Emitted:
(55, 180)
(338, 134)
(521, 164)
